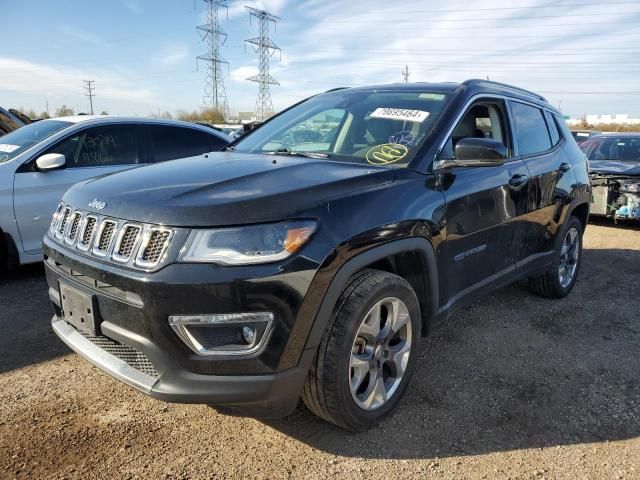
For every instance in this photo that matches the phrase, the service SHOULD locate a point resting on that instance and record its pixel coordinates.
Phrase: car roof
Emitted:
(473, 86)
(616, 134)
(103, 119)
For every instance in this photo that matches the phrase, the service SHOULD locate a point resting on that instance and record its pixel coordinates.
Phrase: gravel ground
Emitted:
(514, 387)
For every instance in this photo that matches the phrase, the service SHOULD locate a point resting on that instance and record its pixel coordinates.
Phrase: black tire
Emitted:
(548, 284)
(327, 391)
(4, 255)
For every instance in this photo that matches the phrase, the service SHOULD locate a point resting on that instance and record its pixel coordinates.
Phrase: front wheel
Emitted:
(558, 281)
(368, 352)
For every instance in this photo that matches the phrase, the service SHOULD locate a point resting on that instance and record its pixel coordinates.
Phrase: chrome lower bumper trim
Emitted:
(101, 359)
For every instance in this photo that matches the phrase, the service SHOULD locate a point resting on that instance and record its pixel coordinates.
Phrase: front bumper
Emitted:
(266, 396)
(136, 345)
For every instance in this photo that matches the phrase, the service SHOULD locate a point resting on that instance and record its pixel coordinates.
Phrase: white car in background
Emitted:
(40, 161)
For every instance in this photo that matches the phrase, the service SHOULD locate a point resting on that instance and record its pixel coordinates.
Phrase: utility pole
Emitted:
(88, 86)
(265, 48)
(405, 74)
(214, 94)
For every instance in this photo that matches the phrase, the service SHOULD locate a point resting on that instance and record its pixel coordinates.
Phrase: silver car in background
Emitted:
(40, 161)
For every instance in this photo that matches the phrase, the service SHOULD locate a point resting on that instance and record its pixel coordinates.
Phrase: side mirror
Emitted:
(50, 161)
(476, 152)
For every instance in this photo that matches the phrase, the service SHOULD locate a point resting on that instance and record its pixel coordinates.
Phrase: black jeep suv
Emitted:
(309, 258)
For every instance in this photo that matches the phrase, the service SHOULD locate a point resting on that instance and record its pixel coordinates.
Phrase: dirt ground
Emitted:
(514, 387)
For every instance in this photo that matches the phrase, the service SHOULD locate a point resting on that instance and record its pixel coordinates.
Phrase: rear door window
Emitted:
(532, 134)
(169, 143)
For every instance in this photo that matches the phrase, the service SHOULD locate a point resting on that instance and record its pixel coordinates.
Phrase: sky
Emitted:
(584, 56)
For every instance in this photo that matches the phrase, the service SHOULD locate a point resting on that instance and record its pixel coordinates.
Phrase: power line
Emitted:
(214, 94)
(88, 86)
(555, 6)
(265, 48)
(526, 17)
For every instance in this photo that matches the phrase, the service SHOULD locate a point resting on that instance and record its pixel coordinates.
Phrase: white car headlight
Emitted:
(248, 244)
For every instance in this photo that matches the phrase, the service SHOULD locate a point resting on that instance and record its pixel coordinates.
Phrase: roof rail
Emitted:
(335, 89)
(475, 81)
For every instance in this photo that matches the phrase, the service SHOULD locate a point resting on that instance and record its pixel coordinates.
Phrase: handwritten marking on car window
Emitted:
(405, 137)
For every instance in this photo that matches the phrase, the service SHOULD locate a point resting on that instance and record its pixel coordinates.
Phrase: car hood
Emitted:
(614, 167)
(225, 188)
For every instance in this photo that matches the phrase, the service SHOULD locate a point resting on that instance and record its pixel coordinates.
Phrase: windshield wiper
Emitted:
(292, 153)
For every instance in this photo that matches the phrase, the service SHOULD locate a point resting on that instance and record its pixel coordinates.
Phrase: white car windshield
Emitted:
(16, 142)
(376, 127)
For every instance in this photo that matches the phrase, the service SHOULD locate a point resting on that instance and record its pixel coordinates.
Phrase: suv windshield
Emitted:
(375, 127)
(624, 149)
(16, 142)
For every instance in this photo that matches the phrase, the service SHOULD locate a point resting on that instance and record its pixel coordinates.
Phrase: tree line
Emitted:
(209, 115)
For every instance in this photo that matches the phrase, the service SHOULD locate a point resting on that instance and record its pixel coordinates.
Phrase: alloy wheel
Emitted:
(380, 353)
(569, 257)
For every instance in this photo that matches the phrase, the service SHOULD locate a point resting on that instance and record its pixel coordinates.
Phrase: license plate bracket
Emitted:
(78, 309)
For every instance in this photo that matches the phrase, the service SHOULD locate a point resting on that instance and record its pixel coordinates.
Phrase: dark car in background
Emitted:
(9, 122)
(614, 164)
(307, 260)
(581, 135)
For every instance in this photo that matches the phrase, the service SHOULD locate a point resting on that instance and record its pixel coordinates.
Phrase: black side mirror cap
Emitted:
(482, 149)
(476, 152)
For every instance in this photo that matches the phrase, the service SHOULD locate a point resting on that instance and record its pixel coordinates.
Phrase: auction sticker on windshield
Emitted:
(417, 116)
(386, 154)
(5, 147)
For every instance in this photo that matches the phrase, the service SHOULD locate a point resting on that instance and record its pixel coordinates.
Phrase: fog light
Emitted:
(249, 335)
(224, 334)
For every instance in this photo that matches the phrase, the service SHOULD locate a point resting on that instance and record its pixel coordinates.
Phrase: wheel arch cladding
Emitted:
(411, 258)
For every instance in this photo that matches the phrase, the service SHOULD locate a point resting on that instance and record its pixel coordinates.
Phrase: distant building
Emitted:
(621, 118)
(247, 116)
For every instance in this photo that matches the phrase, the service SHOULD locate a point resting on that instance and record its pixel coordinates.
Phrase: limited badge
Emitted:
(386, 154)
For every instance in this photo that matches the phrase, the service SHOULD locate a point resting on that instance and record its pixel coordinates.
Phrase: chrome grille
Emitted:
(134, 358)
(136, 245)
(72, 234)
(155, 246)
(126, 242)
(107, 230)
(56, 219)
(63, 221)
(89, 229)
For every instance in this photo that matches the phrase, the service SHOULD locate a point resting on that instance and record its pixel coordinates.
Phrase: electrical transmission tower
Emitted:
(214, 94)
(405, 74)
(88, 86)
(265, 48)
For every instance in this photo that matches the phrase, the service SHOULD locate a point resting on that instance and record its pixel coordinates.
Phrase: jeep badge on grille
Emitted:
(97, 204)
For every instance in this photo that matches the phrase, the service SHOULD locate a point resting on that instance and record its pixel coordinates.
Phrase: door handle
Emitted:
(518, 181)
(564, 167)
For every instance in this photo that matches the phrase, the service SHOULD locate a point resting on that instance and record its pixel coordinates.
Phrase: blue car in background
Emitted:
(40, 161)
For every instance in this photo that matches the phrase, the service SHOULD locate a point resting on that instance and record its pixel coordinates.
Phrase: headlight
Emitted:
(247, 245)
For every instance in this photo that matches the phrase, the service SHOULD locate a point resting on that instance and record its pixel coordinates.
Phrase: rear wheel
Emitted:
(558, 281)
(368, 352)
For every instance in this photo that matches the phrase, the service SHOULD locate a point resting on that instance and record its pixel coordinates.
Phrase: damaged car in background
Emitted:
(614, 164)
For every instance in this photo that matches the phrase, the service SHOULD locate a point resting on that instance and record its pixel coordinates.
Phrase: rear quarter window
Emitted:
(531, 129)
(170, 143)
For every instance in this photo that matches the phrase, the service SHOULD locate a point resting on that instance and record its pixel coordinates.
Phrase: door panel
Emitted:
(551, 184)
(485, 224)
